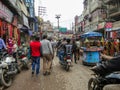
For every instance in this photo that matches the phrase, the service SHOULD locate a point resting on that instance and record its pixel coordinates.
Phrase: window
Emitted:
(27, 0)
(21, 1)
(32, 1)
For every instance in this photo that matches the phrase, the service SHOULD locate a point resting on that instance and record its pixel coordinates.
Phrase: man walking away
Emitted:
(74, 51)
(68, 48)
(47, 55)
(77, 49)
(36, 53)
(57, 47)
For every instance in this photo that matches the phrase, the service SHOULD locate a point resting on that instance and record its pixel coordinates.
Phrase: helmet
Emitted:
(64, 39)
(68, 40)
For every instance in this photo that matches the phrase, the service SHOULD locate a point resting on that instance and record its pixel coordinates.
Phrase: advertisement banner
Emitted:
(108, 26)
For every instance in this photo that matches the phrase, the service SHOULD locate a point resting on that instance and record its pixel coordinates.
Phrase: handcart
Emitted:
(91, 48)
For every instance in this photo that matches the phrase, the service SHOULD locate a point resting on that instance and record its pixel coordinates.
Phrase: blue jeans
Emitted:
(36, 64)
(61, 55)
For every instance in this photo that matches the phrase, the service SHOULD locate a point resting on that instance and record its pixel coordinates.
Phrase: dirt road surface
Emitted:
(76, 79)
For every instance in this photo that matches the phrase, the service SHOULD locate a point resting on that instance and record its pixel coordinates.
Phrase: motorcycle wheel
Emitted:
(18, 69)
(92, 84)
(67, 68)
(6, 80)
(25, 66)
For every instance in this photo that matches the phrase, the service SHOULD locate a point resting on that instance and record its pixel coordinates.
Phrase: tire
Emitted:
(18, 69)
(6, 80)
(25, 66)
(92, 84)
(67, 68)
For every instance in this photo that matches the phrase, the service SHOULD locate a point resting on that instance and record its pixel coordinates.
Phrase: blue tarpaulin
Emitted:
(91, 34)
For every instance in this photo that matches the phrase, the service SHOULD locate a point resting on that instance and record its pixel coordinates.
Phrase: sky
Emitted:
(68, 9)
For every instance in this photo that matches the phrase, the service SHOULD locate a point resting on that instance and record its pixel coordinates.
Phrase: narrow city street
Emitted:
(76, 79)
(33, 28)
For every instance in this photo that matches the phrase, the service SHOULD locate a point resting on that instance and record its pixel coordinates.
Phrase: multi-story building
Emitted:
(86, 12)
(102, 16)
(17, 19)
(48, 28)
(32, 19)
(113, 7)
(94, 19)
(9, 13)
(23, 23)
(79, 25)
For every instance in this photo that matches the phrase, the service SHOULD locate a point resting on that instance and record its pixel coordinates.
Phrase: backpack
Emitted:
(68, 49)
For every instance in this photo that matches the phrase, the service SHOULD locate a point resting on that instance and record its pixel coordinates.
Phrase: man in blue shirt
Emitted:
(2, 44)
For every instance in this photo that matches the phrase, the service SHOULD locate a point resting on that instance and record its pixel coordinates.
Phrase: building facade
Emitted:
(17, 19)
(102, 16)
(114, 16)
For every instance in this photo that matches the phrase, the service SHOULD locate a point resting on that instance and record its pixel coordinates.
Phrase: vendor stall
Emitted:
(91, 47)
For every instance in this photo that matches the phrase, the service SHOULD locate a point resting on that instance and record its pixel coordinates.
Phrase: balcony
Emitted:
(107, 1)
(117, 24)
(95, 20)
(114, 11)
(85, 12)
(95, 5)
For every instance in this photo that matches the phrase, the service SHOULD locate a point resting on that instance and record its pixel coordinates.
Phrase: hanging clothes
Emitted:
(15, 33)
(10, 29)
(19, 41)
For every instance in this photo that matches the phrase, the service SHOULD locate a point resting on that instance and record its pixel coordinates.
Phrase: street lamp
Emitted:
(58, 17)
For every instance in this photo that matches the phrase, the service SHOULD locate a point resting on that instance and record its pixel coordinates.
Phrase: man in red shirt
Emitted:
(36, 53)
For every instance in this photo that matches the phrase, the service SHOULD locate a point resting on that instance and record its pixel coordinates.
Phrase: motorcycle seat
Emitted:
(114, 75)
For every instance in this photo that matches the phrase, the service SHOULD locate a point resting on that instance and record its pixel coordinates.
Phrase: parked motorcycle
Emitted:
(23, 59)
(8, 69)
(102, 77)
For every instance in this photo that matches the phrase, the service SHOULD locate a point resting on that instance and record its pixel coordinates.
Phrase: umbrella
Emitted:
(91, 34)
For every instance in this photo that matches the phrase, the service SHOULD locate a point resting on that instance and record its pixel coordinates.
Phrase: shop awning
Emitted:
(91, 34)
(25, 29)
(34, 19)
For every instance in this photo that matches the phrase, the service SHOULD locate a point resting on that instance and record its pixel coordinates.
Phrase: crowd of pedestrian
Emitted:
(47, 47)
(41, 49)
(111, 47)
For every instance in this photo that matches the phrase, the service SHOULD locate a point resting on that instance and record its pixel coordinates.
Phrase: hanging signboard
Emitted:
(25, 21)
(5, 13)
(108, 26)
